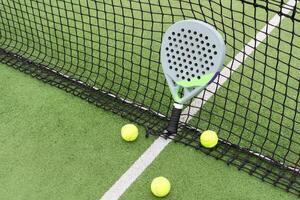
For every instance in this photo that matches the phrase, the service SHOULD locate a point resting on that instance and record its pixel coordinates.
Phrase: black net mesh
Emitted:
(107, 52)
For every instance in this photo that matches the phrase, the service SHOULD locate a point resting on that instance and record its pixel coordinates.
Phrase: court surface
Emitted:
(56, 146)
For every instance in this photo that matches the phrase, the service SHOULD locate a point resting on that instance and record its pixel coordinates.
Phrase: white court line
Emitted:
(125, 181)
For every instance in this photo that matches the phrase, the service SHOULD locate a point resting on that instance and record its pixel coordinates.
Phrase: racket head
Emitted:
(192, 55)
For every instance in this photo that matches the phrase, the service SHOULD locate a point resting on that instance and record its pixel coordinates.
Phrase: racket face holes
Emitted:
(189, 53)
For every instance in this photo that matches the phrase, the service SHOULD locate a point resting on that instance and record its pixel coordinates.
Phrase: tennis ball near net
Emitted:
(129, 132)
(160, 186)
(209, 139)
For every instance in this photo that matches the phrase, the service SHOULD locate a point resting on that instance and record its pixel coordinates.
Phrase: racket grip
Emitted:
(174, 120)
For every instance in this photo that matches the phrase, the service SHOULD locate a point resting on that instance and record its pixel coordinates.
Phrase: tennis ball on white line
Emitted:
(209, 139)
(129, 132)
(160, 186)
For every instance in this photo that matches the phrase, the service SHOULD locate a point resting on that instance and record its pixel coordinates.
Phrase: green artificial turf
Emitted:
(56, 146)
(195, 176)
(114, 46)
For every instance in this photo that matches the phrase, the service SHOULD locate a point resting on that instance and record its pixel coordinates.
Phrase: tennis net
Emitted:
(107, 52)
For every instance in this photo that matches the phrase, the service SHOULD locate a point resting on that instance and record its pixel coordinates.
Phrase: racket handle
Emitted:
(174, 120)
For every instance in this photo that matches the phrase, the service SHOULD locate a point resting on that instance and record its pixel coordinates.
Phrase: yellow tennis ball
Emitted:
(209, 139)
(160, 186)
(129, 132)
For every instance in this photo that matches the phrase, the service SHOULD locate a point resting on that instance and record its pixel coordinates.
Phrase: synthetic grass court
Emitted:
(114, 46)
(56, 146)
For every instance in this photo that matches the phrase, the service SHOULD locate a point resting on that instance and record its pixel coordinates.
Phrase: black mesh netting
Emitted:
(107, 52)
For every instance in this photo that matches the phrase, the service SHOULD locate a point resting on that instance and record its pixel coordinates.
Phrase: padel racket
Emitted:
(192, 54)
